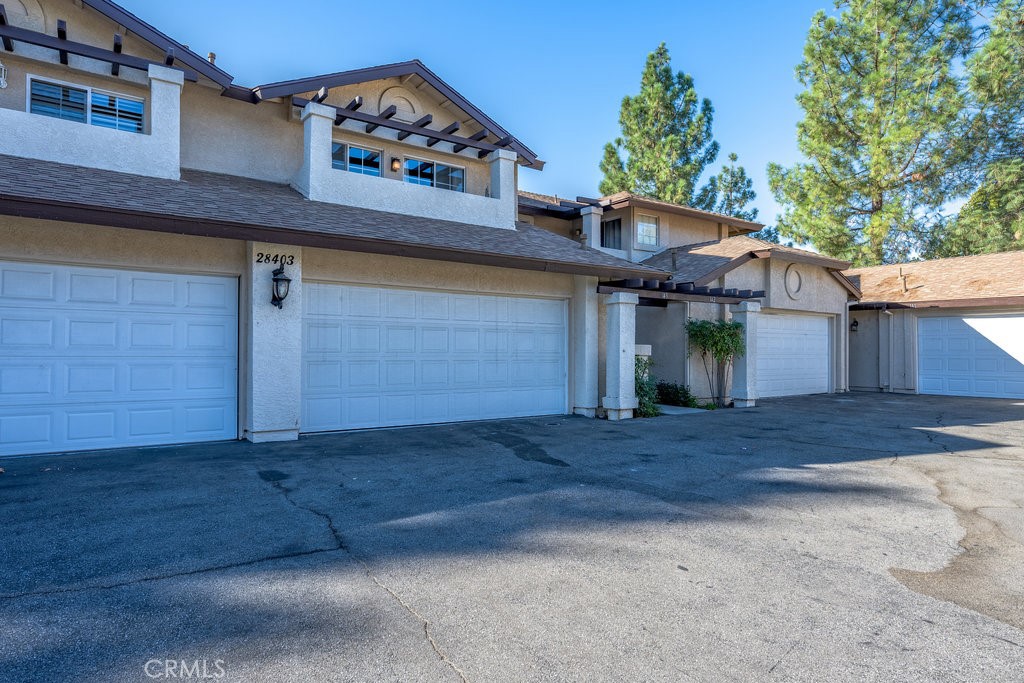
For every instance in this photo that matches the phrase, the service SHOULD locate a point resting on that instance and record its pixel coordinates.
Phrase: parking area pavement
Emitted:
(849, 537)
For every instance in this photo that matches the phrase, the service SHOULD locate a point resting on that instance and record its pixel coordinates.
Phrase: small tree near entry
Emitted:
(718, 342)
(646, 389)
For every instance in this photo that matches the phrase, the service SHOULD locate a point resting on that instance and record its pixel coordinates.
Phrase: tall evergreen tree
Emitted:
(666, 138)
(735, 191)
(993, 219)
(885, 130)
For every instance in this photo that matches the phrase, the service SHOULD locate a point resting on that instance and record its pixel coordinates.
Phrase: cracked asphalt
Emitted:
(850, 537)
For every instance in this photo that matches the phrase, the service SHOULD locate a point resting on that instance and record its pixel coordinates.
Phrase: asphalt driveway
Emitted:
(853, 537)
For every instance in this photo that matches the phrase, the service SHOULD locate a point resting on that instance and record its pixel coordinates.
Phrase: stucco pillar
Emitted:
(317, 136)
(591, 225)
(273, 352)
(620, 361)
(744, 370)
(503, 185)
(165, 119)
(585, 340)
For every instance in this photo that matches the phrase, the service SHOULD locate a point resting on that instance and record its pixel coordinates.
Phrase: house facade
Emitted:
(792, 302)
(951, 327)
(183, 258)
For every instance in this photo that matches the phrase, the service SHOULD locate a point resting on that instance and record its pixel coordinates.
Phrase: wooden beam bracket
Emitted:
(422, 123)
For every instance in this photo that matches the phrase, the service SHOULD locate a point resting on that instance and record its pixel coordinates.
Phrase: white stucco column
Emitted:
(503, 185)
(165, 120)
(273, 352)
(584, 345)
(317, 136)
(744, 369)
(620, 360)
(591, 225)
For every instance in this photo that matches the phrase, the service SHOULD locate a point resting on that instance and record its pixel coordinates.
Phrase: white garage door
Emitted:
(792, 355)
(101, 358)
(971, 356)
(376, 357)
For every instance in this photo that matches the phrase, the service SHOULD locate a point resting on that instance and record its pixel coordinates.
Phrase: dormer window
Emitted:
(356, 159)
(433, 174)
(86, 105)
(646, 230)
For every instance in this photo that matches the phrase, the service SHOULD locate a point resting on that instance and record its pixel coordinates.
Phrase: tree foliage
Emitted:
(734, 190)
(666, 140)
(719, 342)
(886, 132)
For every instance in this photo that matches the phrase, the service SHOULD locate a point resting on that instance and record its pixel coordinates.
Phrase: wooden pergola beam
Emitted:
(343, 113)
(401, 126)
(386, 114)
(321, 95)
(500, 144)
(447, 130)
(8, 44)
(62, 34)
(422, 123)
(475, 137)
(14, 33)
(115, 68)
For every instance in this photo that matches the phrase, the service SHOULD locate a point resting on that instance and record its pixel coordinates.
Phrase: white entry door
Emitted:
(102, 358)
(377, 357)
(971, 356)
(792, 354)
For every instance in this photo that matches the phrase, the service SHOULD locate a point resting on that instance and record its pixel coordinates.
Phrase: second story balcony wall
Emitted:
(319, 180)
(152, 151)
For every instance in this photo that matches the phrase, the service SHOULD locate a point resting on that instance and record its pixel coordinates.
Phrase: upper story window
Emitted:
(86, 105)
(611, 233)
(356, 159)
(433, 174)
(647, 230)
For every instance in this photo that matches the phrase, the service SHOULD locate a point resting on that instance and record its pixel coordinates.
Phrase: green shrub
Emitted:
(646, 389)
(672, 394)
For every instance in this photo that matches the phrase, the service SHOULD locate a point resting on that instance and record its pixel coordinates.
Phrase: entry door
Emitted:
(792, 354)
(102, 358)
(971, 356)
(378, 357)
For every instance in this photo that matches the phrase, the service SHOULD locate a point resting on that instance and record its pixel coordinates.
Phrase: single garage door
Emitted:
(377, 357)
(971, 356)
(792, 355)
(102, 358)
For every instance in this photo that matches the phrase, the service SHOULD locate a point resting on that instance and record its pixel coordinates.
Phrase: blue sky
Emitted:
(552, 73)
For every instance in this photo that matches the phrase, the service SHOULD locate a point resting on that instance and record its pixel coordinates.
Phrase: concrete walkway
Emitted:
(853, 537)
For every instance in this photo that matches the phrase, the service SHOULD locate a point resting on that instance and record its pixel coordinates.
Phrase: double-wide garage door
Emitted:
(102, 358)
(792, 355)
(377, 357)
(971, 356)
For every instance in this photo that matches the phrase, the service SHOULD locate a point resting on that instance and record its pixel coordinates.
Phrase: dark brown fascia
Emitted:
(76, 213)
(979, 302)
(160, 40)
(656, 205)
(726, 267)
(659, 295)
(812, 259)
(376, 73)
(847, 283)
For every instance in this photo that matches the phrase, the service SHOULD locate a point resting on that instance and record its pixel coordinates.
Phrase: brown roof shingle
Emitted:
(986, 276)
(218, 205)
(703, 262)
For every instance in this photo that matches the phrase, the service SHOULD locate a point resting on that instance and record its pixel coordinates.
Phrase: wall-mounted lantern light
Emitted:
(854, 325)
(396, 164)
(3, 75)
(281, 285)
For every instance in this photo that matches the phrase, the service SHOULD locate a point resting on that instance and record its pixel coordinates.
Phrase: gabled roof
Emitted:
(623, 199)
(215, 205)
(701, 264)
(973, 280)
(160, 41)
(375, 73)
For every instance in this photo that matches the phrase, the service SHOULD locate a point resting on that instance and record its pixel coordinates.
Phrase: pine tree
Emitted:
(735, 190)
(666, 139)
(885, 131)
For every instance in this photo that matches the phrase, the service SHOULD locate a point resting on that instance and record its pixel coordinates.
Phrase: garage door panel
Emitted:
(792, 355)
(101, 358)
(452, 357)
(971, 356)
